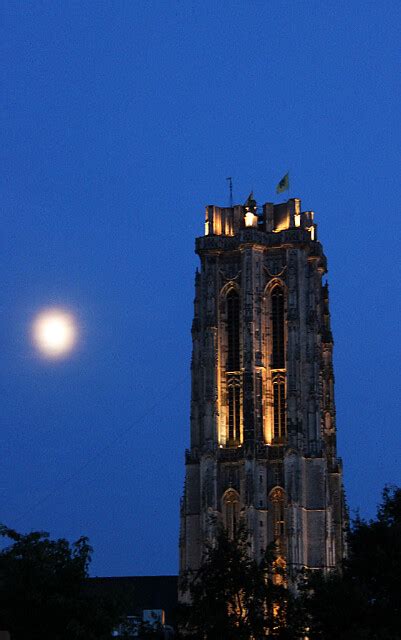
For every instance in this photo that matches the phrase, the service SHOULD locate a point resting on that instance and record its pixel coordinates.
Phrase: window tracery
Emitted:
(233, 379)
(277, 363)
(231, 512)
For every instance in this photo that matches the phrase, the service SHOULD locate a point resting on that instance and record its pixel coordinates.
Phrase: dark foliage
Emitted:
(43, 593)
(235, 598)
(365, 601)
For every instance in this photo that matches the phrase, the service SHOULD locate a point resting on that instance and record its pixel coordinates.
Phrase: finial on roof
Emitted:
(250, 204)
(250, 217)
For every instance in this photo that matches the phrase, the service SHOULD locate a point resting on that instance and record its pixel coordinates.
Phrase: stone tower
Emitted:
(263, 433)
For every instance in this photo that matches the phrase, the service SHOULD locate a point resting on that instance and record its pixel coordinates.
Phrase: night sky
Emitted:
(120, 122)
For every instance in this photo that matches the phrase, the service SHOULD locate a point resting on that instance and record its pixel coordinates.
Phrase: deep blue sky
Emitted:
(120, 122)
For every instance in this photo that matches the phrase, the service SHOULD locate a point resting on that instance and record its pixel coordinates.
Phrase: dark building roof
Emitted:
(137, 593)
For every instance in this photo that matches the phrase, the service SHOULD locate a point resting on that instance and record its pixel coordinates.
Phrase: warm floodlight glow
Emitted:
(54, 333)
(282, 226)
(250, 219)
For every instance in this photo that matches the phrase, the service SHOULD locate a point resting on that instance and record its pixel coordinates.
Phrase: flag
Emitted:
(284, 184)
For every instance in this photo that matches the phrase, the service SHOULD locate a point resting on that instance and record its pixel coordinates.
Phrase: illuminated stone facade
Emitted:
(263, 434)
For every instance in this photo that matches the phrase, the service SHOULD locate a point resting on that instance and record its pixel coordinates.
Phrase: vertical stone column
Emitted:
(247, 346)
(292, 364)
(259, 373)
(209, 348)
(196, 367)
(312, 359)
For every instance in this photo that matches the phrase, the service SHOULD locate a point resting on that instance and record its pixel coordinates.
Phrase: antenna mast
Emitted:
(230, 186)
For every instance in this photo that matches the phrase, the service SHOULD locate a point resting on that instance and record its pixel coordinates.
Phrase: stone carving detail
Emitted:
(231, 478)
(231, 273)
(210, 297)
(275, 267)
(249, 488)
(207, 491)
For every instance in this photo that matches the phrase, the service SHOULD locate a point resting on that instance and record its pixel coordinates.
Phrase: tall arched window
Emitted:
(279, 567)
(231, 510)
(277, 500)
(277, 302)
(233, 380)
(234, 412)
(279, 422)
(233, 359)
(278, 377)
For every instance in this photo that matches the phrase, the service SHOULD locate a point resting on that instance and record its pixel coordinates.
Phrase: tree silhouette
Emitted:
(43, 593)
(236, 598)
(365, 601)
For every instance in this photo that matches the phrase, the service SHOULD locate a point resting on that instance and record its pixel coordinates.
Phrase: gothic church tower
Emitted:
(263, 433)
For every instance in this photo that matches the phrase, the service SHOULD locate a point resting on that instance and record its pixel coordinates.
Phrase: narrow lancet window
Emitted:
(231, 509)
(232, 369)
(278, 373)
(233, 331)
(234, 409)
(277, 302)
(279, 407)
(278, 502)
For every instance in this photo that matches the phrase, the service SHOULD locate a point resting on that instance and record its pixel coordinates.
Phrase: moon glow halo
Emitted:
(54, 333)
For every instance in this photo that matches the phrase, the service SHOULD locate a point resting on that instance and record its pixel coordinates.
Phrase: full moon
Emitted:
(54, 333)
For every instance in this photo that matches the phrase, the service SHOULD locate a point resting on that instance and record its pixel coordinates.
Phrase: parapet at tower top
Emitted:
(270, 218)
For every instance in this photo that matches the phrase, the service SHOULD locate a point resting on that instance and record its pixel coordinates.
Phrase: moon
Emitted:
(54, 333)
